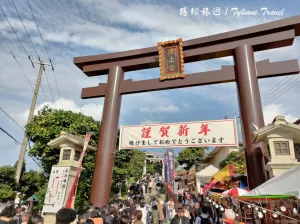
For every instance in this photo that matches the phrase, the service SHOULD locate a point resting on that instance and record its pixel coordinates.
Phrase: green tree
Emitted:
(30, 182)
(237, 159)
(191, 156)
(49, 123)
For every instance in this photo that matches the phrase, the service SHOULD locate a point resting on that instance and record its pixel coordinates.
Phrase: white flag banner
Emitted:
(184, 134)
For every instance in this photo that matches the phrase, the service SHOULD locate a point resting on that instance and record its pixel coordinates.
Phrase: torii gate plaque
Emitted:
(241, 44)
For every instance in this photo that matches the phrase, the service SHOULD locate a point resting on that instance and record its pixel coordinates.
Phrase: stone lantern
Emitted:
(280, 137)
(63, 174)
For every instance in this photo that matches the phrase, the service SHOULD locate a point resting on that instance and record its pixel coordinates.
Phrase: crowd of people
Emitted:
(137, 209)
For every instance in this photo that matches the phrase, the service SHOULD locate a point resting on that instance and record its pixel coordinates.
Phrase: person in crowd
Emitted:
(144, 211)
(137, 217)
(196, 211)
(36, 219)
(150, 186)
(186, 212)
(81, 219)
(95, 216)
(204, 218)
(180, 218)
(219, 216)
(128, 209)
(89, 221)
(125, 219)
(17, 219)
(26, 217)
(148, 210)
(113, 217)
(7, 214)
(210, 209)
(170, 210)
(65, 216)
(155, 216)
(161, 214)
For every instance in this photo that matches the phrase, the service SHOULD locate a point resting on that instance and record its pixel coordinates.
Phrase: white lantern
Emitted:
(249, 206)
(229, 214)
(217, 206)
(282, 208)
(256, 208)
(295, 211)
(221, 209)
(209, 201)
(275, 215)
(260, 215)
(264, 211)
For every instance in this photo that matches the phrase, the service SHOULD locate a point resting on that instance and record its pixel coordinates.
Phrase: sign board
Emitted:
(170, 159)
(184, 134)
(56, 191)
(171, 59)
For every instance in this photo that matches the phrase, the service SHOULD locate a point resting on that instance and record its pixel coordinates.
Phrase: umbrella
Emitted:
(236, 192)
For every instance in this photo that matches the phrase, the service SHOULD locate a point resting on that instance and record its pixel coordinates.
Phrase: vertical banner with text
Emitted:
(70, 202)
(170, 153)
(166, 167)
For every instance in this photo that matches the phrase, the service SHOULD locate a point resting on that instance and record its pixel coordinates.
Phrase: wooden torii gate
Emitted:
(241, 44)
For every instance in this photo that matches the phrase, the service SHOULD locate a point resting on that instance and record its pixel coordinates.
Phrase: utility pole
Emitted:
(30, 116)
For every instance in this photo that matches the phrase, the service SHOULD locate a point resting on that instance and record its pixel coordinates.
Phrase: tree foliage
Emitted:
(30, 183)
(237, 159)
(154, 167)
(191, 156)
(49, 123)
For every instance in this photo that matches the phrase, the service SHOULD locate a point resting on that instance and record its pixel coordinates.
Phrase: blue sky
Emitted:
(87, 27)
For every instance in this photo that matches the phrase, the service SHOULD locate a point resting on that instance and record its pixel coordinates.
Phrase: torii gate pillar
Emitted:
(250, 112)
(102, 177)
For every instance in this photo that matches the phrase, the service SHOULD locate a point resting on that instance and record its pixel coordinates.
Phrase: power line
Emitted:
(57, 85)
(25, 29)
(17, 61)
(282, 91)
(11, 118)
(38, 28)
(46, 52)
(14, 30)
(49, 87)
(10, 136)
(269, 94)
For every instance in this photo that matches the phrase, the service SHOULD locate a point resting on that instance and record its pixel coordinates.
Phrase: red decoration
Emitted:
(164, 131)
(146, 132)
(183, 130)
(204, 129)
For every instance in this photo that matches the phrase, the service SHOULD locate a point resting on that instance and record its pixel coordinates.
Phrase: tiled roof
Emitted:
(297, 122)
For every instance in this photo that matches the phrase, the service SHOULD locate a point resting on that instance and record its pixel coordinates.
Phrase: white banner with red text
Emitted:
(183, 134)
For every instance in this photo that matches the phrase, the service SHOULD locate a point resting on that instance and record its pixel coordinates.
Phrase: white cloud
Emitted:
(93, 110)
(85, 27)
(273, 110)
(160, 109)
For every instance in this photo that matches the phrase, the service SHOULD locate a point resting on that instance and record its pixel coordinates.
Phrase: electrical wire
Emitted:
(17, 61)
(10, 135)
(283, 91)
(25, 29)
(270, 94)
(7, 114)
(13, 30)
(50, 88)
(46, 51)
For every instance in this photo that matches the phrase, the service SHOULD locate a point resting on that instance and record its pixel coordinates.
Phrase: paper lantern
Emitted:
(229, 214)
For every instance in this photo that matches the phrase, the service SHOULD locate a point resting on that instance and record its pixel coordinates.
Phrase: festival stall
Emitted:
(205, 175)
(276, 201)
